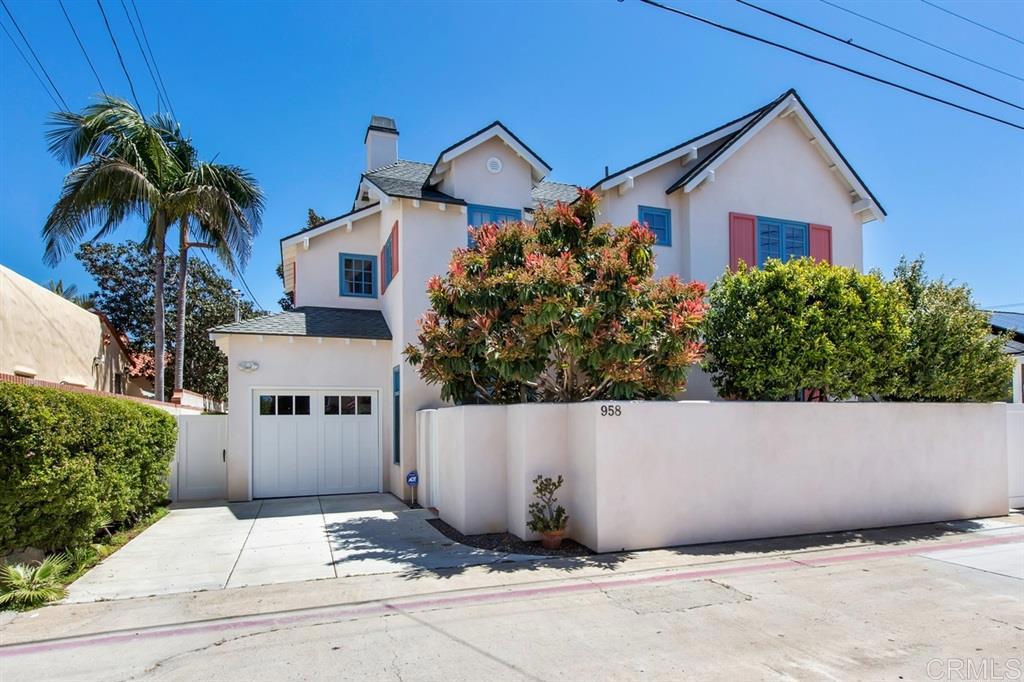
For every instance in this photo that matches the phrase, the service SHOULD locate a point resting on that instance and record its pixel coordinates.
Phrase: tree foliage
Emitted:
(952, 355)
(773, 332)
(124, 276)
(564, 309)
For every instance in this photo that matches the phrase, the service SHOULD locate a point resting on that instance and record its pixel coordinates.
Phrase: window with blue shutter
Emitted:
(389, 263)
(477, 215)
(658, 221)
(781, 239)
(358, 275)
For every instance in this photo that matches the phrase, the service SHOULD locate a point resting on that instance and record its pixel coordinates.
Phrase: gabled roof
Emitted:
(347, 323)
(709, 150)
(496, 129)
(726, 130)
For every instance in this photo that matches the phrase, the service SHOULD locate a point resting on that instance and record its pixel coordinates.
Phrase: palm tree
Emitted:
(222, 205)
(127, 165)
(121, 167)
(70, 292)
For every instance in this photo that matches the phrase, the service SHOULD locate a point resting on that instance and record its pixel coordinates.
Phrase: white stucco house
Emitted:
(321, 400)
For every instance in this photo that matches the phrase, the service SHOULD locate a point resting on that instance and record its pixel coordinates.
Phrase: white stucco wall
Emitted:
(661, 473)
(317, 275)
(54, 338)
(470, 180)
(302, 363)
(1015, 450)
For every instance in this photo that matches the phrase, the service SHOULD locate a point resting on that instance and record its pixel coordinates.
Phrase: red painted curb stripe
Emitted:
(409, 604)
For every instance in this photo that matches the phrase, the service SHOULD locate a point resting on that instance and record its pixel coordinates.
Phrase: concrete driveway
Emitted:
(218, 546)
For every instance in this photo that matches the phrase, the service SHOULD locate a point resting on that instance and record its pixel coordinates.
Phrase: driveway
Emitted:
(218, 546)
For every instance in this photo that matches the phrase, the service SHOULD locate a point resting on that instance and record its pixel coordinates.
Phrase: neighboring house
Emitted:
(322, 400)
(1001, 323)
(45, 337)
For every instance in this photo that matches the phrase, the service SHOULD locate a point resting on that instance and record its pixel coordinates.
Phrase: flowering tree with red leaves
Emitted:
(562, 310)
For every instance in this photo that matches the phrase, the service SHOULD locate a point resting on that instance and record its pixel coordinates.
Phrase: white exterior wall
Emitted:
(302, 363)
(317, 272)
(777, 174)
(661, 474)
(470, 180)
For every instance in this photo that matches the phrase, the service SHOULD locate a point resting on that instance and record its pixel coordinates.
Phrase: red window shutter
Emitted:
(742, 231)
(821, 243)
(394, 250)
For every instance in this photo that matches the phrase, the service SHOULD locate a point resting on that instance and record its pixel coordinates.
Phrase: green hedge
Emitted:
(71, 462)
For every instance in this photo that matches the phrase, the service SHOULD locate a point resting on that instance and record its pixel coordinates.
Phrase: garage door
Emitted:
(315, 442)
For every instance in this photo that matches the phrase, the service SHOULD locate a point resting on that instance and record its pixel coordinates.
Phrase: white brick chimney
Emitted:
(381, 142)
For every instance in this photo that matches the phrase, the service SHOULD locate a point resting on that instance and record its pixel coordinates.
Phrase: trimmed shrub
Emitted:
(952, 355)
(71, 463)
(774, 332)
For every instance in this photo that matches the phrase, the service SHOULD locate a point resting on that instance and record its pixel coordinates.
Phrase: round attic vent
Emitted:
(494, 164)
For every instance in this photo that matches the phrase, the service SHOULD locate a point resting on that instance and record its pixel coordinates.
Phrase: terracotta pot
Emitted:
(552, 539)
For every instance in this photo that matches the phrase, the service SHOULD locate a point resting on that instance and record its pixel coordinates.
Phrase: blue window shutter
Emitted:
(396, 442)
(658, 221)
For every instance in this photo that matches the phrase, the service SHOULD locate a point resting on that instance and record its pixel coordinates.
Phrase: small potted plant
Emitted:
(545, 517)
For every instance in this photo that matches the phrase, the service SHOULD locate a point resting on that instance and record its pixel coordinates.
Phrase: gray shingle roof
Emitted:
(406, 179)
(548, 193)
(348, 323)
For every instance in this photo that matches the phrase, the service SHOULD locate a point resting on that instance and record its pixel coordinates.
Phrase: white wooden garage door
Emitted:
(315, 442)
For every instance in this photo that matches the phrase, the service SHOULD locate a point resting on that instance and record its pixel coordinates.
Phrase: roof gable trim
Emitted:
(341, 221)
(862, 201)
(497, 129)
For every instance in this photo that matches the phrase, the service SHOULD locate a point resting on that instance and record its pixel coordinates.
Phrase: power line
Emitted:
(119, 57)
(30, 49)
(972, 21)
(84, 53)
(160, 77)
(30, 67)
(877, 54)
(836, 65)
(921, 40)
(138, 42)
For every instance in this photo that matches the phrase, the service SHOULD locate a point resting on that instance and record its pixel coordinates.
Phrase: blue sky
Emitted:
(286, 90)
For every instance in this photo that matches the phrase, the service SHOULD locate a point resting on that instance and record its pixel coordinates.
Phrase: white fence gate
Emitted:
(200, 470)
(427, 458)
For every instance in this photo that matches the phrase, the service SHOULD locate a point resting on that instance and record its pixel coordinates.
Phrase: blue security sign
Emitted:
(412, 479)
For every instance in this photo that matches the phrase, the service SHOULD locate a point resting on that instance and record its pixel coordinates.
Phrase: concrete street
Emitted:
(912, 603)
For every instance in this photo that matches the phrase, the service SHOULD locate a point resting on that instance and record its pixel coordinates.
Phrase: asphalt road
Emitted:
(925, 603)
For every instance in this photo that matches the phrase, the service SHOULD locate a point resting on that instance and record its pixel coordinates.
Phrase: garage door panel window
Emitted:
(364, 405)
(285, 404)
(302, 404)
(267, 405)
(331, 405)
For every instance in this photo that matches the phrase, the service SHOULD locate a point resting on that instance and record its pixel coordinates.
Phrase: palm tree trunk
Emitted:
(179, 330)
(159, 343)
